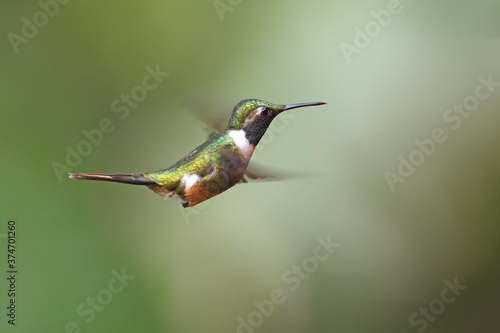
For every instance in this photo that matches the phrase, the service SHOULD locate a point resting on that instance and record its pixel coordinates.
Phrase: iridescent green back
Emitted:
(200, 160)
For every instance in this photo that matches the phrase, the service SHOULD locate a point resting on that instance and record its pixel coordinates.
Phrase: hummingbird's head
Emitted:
(254, 116)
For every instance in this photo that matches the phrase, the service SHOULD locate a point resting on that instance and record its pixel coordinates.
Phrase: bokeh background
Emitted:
(201, 269)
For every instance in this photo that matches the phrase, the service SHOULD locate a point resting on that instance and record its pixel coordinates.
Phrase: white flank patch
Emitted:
(189, 180)
(242, 143)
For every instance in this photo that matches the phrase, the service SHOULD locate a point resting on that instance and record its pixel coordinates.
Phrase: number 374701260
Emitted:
(11, 245)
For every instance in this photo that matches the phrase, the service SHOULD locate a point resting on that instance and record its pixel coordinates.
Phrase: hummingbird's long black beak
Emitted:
(300, 105)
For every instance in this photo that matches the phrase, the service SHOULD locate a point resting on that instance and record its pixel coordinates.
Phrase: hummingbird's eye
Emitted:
(265, 111)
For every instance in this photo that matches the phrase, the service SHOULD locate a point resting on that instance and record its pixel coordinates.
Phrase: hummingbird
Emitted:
(214, 166)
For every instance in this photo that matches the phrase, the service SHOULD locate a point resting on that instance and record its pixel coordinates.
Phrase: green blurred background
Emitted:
(200, 269)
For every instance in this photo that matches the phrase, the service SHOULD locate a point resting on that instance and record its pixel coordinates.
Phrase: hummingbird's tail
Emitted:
(131, 178)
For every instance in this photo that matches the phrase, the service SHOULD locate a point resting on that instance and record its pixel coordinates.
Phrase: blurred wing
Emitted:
(253, 173)
(212, 113)
(264, 173)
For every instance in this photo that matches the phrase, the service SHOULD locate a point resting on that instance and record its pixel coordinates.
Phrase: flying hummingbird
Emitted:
(215, 165)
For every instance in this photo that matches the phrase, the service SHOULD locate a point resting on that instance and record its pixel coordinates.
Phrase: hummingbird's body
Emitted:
(214, 166)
